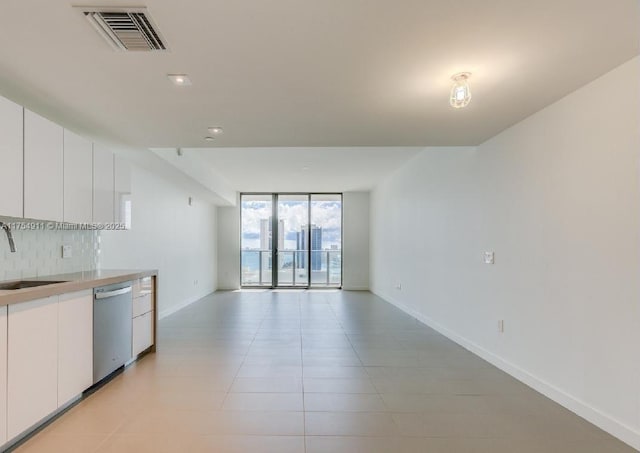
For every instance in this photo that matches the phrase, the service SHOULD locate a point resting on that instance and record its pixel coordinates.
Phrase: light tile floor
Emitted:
(313, 371)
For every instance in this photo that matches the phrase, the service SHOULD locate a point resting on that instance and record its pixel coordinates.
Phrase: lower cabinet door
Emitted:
(142, 332)
(3, 375)
(32, 388)
(75, 345)
(142, 305)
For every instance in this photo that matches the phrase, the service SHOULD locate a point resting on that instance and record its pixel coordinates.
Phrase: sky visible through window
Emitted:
(326, 214)
(309, 231)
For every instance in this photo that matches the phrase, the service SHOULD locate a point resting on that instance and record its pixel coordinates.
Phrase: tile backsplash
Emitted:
(39, 252)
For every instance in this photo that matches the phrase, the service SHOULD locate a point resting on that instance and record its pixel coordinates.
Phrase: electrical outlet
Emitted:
(489, 258)
(67, 251)
(501, 326)
(398, 286)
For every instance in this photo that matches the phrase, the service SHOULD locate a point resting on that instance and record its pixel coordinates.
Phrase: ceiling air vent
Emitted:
(127, 29)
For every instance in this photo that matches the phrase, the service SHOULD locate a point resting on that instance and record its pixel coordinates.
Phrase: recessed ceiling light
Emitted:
(179, 79)
(305, 168)
(209, 139)
(216, 130)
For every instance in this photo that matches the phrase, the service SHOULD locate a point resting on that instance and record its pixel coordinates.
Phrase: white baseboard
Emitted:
(182, 304)
(355, 288)
(604, 421)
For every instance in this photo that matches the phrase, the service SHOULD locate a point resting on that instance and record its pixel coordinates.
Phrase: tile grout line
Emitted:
(395, 424)
(235, 376)
(274, 319)
(344, 332)
(304, 411)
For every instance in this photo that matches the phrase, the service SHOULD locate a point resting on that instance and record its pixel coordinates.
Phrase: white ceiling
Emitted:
(326, 73)
(302, 169)
(282, 76)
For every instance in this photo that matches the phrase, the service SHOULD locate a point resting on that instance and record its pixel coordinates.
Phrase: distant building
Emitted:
(266, 238)
(265, 234)
(316, 246)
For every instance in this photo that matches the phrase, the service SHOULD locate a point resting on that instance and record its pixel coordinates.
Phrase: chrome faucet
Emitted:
(7, 230)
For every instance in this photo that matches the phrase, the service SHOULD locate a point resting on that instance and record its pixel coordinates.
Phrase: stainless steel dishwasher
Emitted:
(111, 328)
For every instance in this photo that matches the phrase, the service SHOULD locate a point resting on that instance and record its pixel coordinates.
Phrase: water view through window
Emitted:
(291, 240)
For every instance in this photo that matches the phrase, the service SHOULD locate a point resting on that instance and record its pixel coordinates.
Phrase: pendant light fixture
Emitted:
(460, 92)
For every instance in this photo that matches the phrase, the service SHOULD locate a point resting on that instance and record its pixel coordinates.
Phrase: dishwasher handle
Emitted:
(115, 292)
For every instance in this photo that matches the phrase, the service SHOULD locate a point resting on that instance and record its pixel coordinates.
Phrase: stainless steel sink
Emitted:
(26, 284)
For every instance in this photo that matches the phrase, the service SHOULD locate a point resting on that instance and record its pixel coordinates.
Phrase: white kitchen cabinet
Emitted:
(78, 178)
(75, 345)
(142, 305)
(32, 388)
(43, 168)
(143, 314)
(122, 191)
(103, 184)
(3, 375)
(142, 332)
(11, 186)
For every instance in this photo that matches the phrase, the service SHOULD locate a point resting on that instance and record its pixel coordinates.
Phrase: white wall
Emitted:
(355, 241)
(557, 198)
(169, 235)
(229, 247)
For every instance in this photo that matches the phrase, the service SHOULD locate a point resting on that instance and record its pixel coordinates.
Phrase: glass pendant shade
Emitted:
(460, 92)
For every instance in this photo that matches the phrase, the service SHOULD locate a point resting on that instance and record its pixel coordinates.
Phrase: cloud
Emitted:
(327, 214)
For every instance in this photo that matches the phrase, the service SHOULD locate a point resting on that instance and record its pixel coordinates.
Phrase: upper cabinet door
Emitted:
(43, 168)
(123, 206)
(11, 157)
(78, 180)
(103, 185)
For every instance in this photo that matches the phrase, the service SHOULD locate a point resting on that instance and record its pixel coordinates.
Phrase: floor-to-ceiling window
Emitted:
(291, 240)
(326, 239)
(256, 256)
(293, 248)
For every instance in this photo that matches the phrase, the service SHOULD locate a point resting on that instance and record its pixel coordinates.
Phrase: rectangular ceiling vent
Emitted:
(126, 29)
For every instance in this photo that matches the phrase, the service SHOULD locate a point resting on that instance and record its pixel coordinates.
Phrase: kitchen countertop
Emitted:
(72, 282)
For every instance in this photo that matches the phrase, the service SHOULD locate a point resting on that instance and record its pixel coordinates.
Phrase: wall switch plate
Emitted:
(67, 251)
(489, 258)
(501, 326)
(398, 286)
